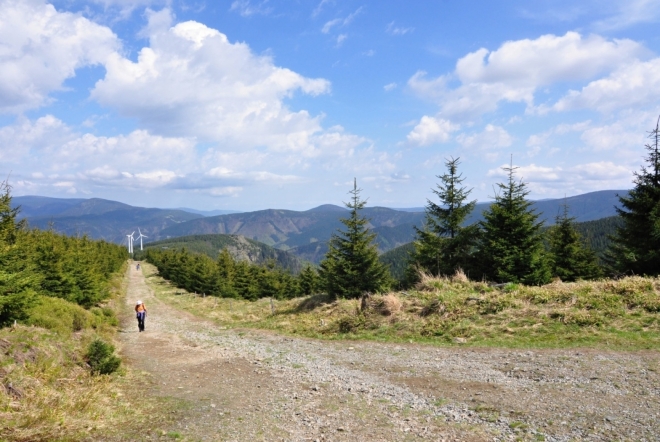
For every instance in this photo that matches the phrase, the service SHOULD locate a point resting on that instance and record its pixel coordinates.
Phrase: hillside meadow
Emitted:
(47, 392)
(609, 314)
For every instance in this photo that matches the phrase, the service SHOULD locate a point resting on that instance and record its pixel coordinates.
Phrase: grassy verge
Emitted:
(46, 389)
(622, 314)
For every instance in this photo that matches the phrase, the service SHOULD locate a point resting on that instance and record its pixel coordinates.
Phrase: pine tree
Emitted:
(351, 266)
(18, 278)
(226, 275)
(636, 245)
(512, 245)
(570, 257)
(308, 281)
(445, 245)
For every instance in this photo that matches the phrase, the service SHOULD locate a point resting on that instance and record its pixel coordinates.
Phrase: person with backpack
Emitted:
(141, 311)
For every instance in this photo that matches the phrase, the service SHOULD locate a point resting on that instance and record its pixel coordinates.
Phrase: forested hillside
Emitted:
(227, 277)
(41, 263)
(240, 248)
(596, 233)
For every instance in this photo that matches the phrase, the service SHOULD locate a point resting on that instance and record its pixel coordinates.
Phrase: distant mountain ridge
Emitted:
(96, 217)
(302, 232)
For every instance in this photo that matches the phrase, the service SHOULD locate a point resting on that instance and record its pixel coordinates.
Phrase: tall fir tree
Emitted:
(635, 248)
(351, 267)
(571, 259)
(18, 275)
(444, 244)
(308, 281)
(512, 247)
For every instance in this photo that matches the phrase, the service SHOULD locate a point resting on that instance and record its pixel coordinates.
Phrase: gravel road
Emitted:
(245, 385)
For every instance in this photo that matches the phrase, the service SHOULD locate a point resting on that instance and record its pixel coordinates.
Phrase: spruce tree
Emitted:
(635, 247)
(512, 247)
(570, 257)
(308, 281)
(18, 276)
(351, 267)
(226, 275)
(445, 245)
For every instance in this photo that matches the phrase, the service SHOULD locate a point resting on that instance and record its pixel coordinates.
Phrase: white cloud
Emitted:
(572, 180)
(392, 29)
(191, 81)
(518, 68)
(20, 139)
(341, 22)
(46, 156)
(631, 12)
(341, 38)
(329, 25)
(319, 7)
(492, 137)
(40, 48)
(431, 130)
(126, 7)
(633, 85)
(390, 86)
(247, 8)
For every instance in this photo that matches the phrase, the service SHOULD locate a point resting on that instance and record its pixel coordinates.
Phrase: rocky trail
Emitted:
(250, 385)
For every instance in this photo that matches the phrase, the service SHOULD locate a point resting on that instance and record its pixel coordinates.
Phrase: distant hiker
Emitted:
(141, 311)
(137, 267)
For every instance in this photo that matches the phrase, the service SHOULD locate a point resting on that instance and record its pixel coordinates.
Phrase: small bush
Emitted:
(105, 315)
(59, 315)
(101, 358)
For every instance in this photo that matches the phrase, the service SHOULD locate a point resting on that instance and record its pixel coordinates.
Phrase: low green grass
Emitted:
(609, 314)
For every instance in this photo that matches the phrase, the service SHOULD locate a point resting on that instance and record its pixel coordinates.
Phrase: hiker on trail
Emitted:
(137, 267)
(141, 311)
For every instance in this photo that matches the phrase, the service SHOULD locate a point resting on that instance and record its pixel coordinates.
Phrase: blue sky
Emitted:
(249, 104)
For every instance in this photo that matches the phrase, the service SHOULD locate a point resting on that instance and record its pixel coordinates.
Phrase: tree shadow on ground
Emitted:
(313, 302)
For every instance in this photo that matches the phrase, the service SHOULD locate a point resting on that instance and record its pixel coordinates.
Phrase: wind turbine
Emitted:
(140, 237)
(130, 242)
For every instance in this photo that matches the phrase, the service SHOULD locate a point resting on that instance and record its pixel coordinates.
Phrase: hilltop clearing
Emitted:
(242, 384)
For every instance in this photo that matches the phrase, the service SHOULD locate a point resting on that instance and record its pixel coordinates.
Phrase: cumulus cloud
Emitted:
(515, 71)
(40, 48)
(492, 137)
(633, 85)
(191, 81)
(431, 130)
(49, 152)
(48, 156)
(572, 180)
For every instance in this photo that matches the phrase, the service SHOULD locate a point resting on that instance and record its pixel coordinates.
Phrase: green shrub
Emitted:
(105, 315)
(101, 358)
(59, 315)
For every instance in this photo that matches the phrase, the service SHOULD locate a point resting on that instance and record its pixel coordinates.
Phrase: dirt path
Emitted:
(230, 385)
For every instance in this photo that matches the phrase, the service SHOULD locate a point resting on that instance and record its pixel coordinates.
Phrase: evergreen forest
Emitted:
(38, 265)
